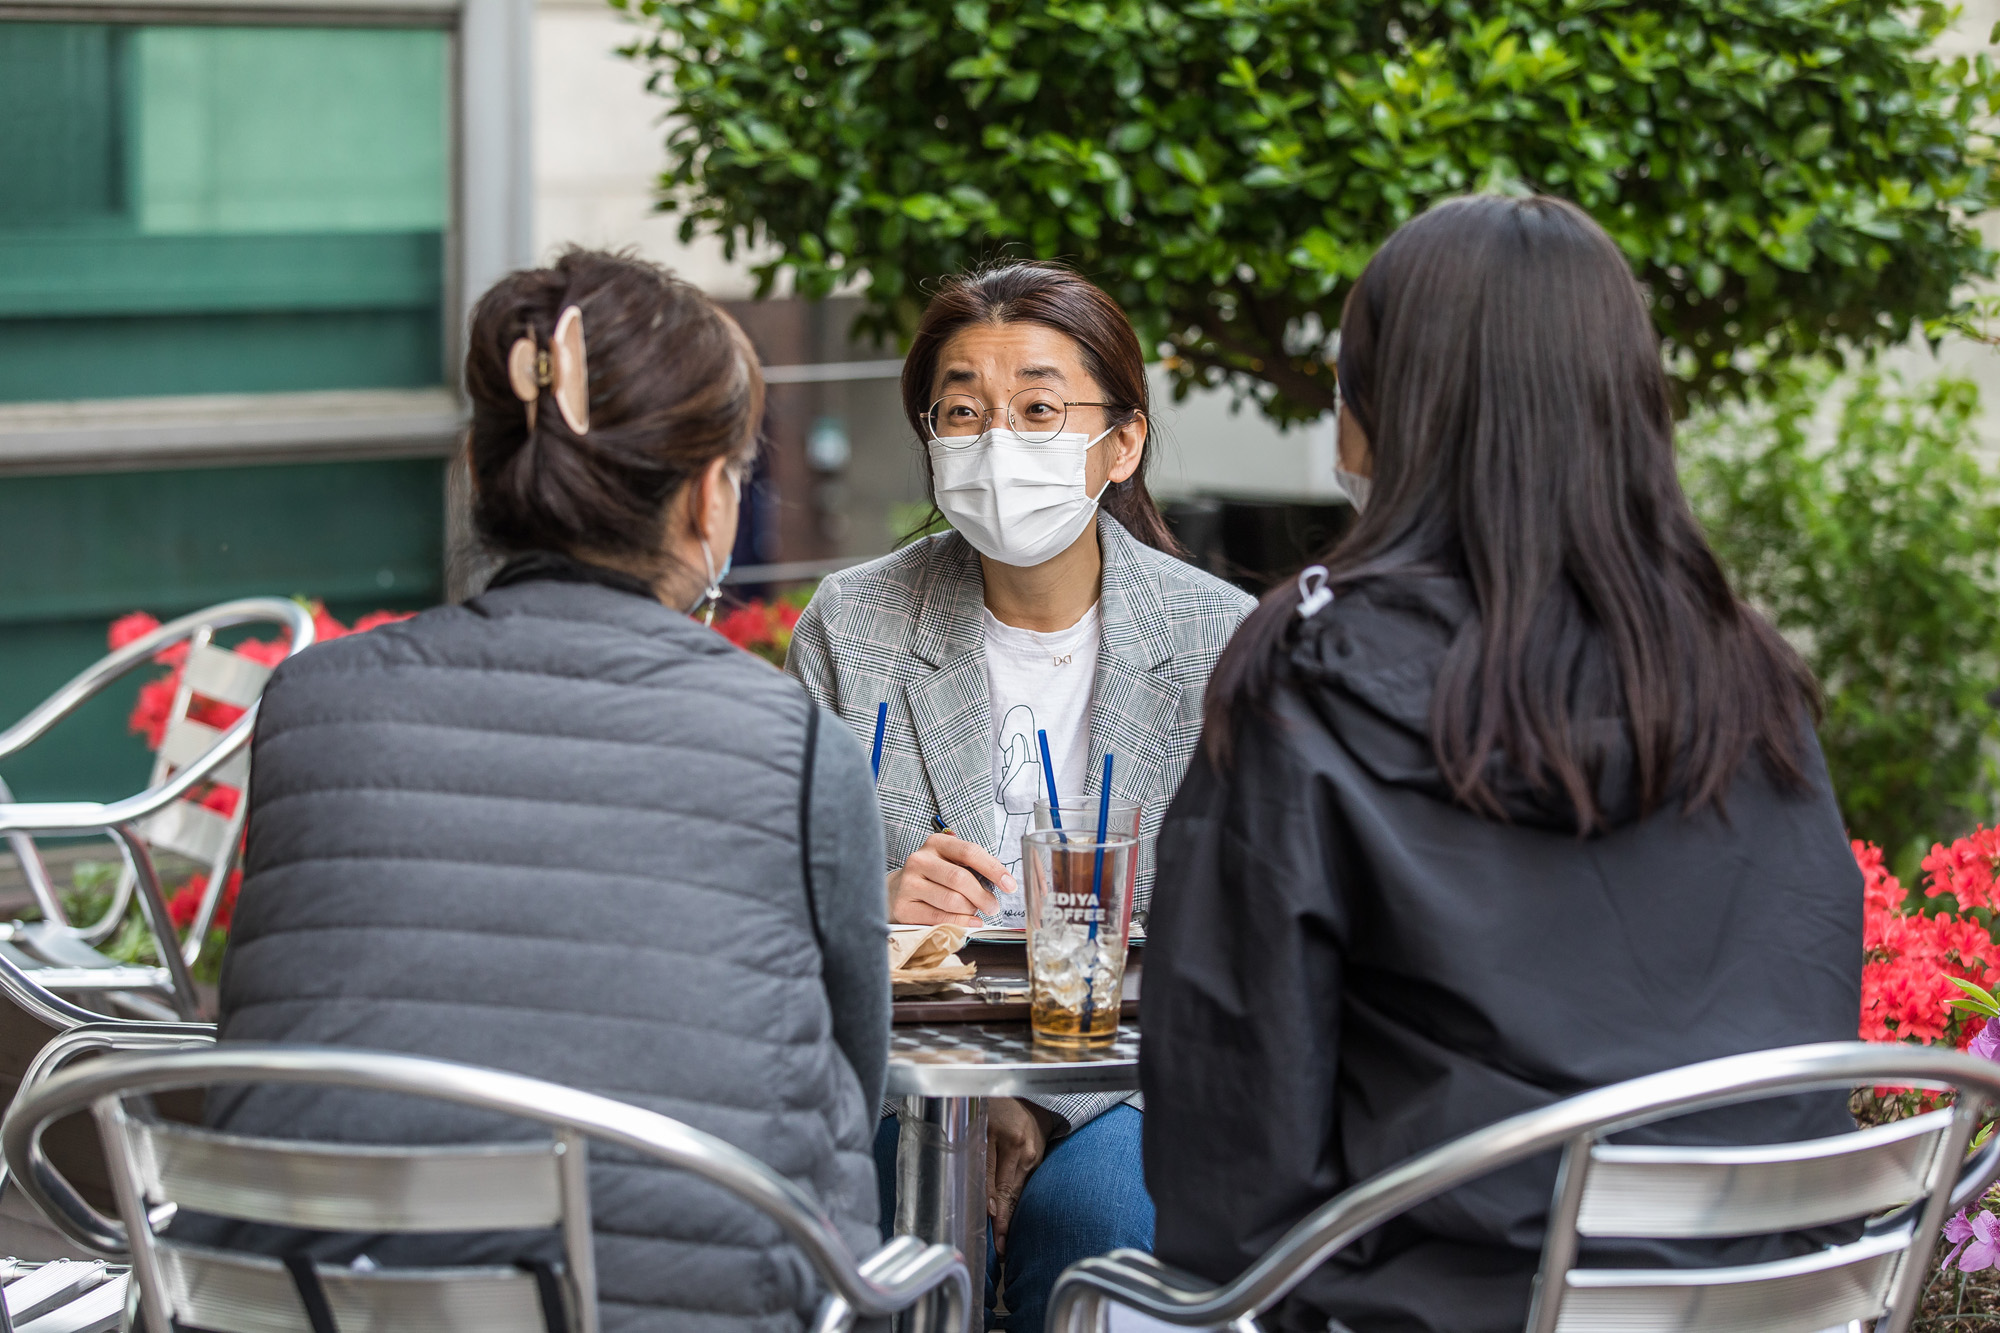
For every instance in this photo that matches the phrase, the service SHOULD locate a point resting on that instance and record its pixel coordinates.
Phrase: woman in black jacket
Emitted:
(1531, 804)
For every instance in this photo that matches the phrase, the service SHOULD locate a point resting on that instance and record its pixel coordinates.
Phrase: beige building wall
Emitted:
(1980, 363)
(597, 149)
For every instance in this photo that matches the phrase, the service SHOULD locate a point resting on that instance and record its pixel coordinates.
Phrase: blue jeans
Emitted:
(1088, 1196)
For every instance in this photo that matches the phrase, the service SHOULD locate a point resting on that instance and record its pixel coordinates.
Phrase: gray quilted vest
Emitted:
(556, 830)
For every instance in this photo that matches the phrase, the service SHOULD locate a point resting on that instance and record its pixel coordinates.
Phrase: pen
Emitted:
(945, 829)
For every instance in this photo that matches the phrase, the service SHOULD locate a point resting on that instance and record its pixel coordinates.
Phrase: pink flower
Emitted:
(1976, 1241)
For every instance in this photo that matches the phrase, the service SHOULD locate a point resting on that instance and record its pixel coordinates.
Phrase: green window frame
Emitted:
(171, 492)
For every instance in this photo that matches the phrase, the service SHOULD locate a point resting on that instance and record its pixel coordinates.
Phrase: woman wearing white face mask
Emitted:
(1056, 604)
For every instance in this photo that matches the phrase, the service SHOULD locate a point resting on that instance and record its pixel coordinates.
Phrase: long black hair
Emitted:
(1498, 354)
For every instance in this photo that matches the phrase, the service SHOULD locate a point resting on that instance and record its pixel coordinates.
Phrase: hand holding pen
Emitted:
(948, 881)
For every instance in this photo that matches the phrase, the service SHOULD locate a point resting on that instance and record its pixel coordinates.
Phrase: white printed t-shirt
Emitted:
(1039, 681)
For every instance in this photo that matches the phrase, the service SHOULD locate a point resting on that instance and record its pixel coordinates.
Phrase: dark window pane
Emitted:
(82, 550)
(218, 210)
(61, 158)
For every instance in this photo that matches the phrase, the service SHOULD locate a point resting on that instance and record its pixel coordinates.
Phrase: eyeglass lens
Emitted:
(1035, 414)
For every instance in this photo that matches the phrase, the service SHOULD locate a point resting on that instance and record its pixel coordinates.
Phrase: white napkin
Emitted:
(924, 959)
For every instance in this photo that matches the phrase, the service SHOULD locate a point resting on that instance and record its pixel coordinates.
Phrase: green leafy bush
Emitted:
(1868, 528)
(1787, 176)
(93, 885)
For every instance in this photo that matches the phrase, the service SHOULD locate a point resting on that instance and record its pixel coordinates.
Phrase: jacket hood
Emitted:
(1368, 665)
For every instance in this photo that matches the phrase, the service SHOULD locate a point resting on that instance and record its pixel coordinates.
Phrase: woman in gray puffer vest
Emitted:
(566, 830)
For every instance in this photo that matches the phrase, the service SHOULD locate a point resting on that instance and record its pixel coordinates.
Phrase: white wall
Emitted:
(598, 149)
(1208, 444)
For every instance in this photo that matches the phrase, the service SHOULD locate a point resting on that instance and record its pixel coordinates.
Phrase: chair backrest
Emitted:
(193, 756)
(369, 1190)
(62, 1296)
(1677, 1193)
(158, 1166)
(186, 827)
(1906, 1177)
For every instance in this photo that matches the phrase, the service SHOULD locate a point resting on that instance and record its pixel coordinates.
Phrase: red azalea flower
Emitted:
(325, 627)
(181, 908)
(743, 626)
(225, 911)
(156, 697)
(1965, 869)
(265, 652)
(127, 628)
(1906, 994)
(210, 713)
(149, 713)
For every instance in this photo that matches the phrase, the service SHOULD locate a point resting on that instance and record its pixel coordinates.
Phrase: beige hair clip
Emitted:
(562, 370)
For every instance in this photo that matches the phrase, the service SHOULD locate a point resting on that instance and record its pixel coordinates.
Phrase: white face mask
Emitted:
(1016, 501)
(1356, 486)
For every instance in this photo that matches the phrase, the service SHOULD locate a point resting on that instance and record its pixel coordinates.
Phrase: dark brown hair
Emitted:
(1055, 298)
(1499, 355)
(674, 385)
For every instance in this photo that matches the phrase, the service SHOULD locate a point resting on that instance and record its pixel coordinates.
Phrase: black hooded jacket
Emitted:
(1345, 968)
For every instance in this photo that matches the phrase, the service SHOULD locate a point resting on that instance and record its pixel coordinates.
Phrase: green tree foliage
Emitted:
(1788, 176)
(1868, 529)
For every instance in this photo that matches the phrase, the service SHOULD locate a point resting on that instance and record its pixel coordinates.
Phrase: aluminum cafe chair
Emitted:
(64, 1296)
(76, 1032)
(80, 1295)
(103, 1037)
(165, 817)
(159, 1166)
(1906, 1178)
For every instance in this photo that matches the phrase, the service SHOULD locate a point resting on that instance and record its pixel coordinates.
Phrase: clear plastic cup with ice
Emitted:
(1079, 892)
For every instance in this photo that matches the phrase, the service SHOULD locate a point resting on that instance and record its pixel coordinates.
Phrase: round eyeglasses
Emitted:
(1036, 415)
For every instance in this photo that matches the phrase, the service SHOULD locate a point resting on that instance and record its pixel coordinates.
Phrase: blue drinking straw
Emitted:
(1097, 892)
(1103, 827)
(881, 725)
(1049, 777)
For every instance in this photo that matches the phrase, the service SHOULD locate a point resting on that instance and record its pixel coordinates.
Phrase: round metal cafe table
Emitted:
(943, 1073)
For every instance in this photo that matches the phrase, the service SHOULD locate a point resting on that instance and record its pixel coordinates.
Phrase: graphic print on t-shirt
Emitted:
(1017, 782)
(1039, 681)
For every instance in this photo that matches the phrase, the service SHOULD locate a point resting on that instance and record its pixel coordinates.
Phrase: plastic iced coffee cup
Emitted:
(1079, 918)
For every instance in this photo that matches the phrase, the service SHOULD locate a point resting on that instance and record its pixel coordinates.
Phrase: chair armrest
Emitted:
(1137, 1280)
(39, 1001)
(247, 611)
(75, 1218)
(47, 817)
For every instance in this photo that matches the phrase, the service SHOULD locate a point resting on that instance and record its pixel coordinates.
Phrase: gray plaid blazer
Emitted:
(908, 629)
